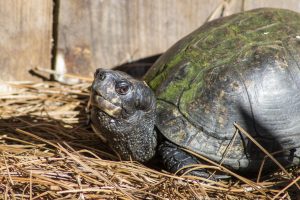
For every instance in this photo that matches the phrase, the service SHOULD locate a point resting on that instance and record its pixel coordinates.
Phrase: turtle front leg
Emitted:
(175, 158)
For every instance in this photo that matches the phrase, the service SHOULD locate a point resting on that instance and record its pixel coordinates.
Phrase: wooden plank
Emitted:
(287, 4)
(26, 31)
(234, 6)
(96, 33)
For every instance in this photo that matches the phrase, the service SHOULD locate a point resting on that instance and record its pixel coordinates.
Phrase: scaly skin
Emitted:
(130, 130)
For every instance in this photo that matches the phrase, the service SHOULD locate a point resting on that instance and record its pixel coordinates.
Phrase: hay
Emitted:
(49, 152)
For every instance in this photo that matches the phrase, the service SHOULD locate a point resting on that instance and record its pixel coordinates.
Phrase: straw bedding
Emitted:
(48, 151)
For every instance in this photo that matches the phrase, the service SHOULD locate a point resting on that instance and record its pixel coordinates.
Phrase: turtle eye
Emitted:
(122, 87)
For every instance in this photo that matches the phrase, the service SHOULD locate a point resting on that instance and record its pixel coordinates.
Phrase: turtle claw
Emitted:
(177, 161)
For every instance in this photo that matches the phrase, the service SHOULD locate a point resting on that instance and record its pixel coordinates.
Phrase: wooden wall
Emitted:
(95, 33)
(108, 33)
(101, 33)
(25, 37)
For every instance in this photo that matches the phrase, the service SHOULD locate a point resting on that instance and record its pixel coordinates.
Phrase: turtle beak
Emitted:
(101, 103)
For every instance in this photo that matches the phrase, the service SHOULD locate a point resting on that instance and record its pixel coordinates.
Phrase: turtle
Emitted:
(241, 69)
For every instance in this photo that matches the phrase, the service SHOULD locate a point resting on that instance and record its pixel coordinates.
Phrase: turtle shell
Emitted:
(244, 68)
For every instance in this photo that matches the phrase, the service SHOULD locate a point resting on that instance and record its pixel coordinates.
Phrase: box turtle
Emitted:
(244, 69)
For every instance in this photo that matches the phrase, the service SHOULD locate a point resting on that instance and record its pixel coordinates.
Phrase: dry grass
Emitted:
(49, 152)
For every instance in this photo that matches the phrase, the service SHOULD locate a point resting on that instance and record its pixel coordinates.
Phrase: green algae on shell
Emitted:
(207, 81)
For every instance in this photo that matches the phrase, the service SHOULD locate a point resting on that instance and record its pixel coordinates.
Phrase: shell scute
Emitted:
(243, 68)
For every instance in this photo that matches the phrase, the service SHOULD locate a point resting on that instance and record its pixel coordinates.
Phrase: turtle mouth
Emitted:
(105, 105)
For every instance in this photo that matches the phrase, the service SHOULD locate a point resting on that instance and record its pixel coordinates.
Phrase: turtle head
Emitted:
(123, 112)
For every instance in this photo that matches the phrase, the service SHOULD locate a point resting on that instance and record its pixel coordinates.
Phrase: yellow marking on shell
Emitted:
(206, 111)
(281, 63)
(181, 136)
(234, 148)
(234, 85)
(248, 83)
(175, 113)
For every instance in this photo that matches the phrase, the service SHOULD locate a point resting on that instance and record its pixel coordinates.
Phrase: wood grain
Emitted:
(102, 33)
(26, 29)
(234, 6)
(95, 33)
(287, 4)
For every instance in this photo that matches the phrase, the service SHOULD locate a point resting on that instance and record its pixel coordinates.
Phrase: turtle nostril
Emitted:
(96, 72)
(102, 76)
